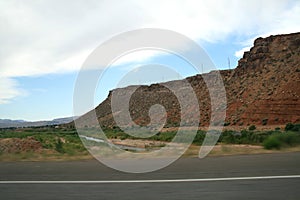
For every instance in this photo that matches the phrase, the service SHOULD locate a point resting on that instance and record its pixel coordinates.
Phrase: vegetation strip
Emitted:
(50, 143)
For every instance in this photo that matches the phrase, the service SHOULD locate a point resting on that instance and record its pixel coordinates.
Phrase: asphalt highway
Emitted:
(266, 176)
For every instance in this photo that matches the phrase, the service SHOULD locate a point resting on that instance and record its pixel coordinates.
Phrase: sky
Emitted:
(45, 43)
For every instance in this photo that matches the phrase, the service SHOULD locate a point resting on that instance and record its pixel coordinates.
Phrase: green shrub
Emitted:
(252, 128)
(277, 129)
(166, 136)
(289, 138)
(226, 123)
(264, 121)
(278, 140)
(289, 127)
(59, 146)
(228, 137)
(272, 143)
(198, 140)
(292, 127)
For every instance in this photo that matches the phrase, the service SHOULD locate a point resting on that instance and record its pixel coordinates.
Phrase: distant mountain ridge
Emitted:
(7, 123)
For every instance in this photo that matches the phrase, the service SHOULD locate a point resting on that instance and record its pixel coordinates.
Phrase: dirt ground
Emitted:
(16, 145)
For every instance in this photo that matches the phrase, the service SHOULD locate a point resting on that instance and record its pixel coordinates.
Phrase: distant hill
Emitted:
(7, 123)
(264, 89)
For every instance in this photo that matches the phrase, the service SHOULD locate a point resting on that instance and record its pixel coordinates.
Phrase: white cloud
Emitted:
(280, 18)
(39, 38)
(137, 57)
(240, 53)
(9, 89)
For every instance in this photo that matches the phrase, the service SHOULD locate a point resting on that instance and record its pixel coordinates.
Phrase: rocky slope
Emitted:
(264, 89)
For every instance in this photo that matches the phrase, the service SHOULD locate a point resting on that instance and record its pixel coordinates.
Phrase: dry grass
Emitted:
(46, 155)
(193, 151)
(236, 149)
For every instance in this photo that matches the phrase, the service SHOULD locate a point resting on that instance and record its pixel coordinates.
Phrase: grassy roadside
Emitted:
(193, 151)
(34, 156)
(50, 143)
(44, 143)
(238, 149)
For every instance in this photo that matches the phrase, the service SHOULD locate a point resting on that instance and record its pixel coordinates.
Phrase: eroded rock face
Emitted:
(263, 89)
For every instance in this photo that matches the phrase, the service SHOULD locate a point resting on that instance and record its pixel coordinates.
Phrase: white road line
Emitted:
(154, 181)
